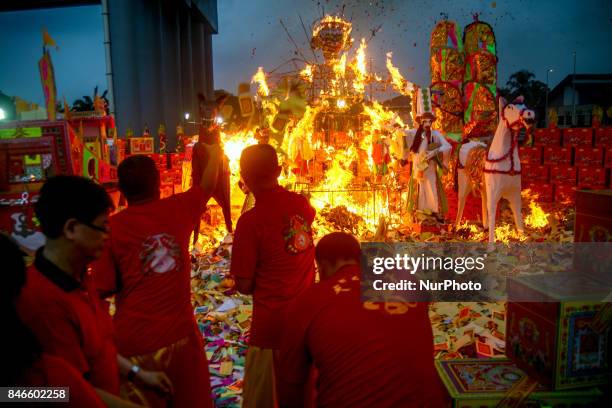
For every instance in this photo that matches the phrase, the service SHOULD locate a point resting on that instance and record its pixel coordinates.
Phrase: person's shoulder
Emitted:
(41, 298)
(299, 197)
(37, 285)
(193, 195)
(313, 301)
(247, 217)
(317, 293)
(119, 218)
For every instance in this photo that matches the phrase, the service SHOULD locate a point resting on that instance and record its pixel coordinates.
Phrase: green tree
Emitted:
(524, 83)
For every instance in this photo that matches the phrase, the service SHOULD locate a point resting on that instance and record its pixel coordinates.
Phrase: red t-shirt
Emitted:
(273, 246)
(51, 371)
(147, 263)
(366, 355)
(69, 322)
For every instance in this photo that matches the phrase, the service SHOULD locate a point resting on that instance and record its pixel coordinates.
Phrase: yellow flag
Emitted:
(47, 40)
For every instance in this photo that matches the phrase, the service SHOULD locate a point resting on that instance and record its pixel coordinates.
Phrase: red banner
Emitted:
(47, 78)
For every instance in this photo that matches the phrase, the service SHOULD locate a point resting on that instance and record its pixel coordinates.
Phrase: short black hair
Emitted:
(64, 197)
(338, 246)
(259, 161)
(138, 178)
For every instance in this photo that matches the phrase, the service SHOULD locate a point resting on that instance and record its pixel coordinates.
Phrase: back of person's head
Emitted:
(69, 197)
(138, 178)
(337, 249)
(22, 346)
(259, 165)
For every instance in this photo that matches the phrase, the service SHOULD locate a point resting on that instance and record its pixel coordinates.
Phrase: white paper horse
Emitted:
(500, 165)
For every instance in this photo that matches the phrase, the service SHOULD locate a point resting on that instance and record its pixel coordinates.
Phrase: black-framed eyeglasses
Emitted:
(105, 229)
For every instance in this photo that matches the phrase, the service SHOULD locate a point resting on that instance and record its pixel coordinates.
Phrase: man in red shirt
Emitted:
(272, 259)
(147, 265)
(366, 354)
(59, 303)
(26, 364)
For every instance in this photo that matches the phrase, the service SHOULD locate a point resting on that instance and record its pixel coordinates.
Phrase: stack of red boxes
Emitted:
(603, 139)
(574, 159)
(548, 137)
(535, 174)
(170, 171)
(589, 158)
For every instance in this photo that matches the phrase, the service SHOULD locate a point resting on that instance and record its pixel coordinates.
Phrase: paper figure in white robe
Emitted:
(429, 153)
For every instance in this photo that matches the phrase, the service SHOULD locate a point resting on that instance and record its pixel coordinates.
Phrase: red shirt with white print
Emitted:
(147, 264)
(273, 246)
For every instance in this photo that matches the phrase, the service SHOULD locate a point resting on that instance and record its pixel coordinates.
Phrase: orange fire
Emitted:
(306, 73)
(537, 218)
(400, 84)
(260, 79)
(359, 66)
(336, 173)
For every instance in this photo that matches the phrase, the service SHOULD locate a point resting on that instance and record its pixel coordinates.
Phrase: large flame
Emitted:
(260, 79)
(333, 162)
(359, 67)
(328, 150)
(400, 84)
(340, 67)
(537, 218)
(306, 73)
(329, 20)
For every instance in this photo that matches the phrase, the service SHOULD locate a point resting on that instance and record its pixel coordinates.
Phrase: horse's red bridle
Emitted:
(513, 145)
(520, 118)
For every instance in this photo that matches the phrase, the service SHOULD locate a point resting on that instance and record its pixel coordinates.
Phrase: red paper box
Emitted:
(556, 155)
(554, 342)
(578, 137)
(141, 145)
(565, 193)
(588, 156)
(563, 175)
(593, 216)
(487, 383)
(591, 177)
(603, 137)
(608, 157)
(534, 173)
(530, 155)
(544, 191)
(547, 137)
